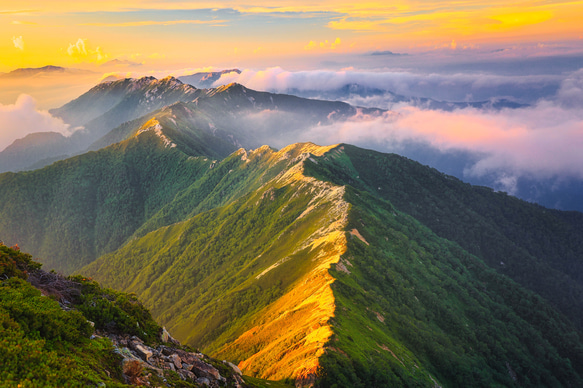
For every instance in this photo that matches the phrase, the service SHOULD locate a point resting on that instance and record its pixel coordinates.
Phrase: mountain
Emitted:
(110, 112)
(325, 265)
(285, 278)
(364, 95)
(206, 79)
(95, 113)
(42, 71)
(69, 332)
(120, 63)
(34, 147)
(242, 117)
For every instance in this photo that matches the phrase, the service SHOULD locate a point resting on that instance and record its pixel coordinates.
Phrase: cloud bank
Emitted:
(541, 142)
(448, 87)
(22, 118)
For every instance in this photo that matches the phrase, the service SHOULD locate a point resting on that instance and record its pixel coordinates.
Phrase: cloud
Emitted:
(22, 118)
(570, 94)
(448, 87)
(18, 42)
(157, 23)
(82, 53)
(539, 142)
(77, 49)
(325, 45)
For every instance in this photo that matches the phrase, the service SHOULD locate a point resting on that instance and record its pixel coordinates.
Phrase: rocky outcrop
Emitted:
(189, 366)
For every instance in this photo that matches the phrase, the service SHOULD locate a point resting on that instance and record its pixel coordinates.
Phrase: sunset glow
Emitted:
(164, 34)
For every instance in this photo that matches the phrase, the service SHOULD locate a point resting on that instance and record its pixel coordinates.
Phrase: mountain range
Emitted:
(326, 265)
(42, 71)
(109, 111)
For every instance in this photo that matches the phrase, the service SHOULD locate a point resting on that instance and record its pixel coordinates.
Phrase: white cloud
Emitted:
(449, 87)
(542, 141)
(22, 118)
(80, 51)
(77, 49)
(18, 42)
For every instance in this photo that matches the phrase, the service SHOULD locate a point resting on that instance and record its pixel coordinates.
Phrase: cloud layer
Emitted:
(540, 142)
(22, 118)
(449, 87)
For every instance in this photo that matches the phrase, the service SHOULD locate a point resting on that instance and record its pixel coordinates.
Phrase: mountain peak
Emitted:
(155, 127)
(206, 79)
(45, 70)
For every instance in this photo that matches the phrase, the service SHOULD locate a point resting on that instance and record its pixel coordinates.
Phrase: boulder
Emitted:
(203, 381)
(202, 369)
(166, 337)
(234, 367)
(186, 375)
(175, 358)
(143, 351)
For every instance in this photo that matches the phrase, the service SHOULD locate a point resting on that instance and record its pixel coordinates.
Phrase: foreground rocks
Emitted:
(141, 362)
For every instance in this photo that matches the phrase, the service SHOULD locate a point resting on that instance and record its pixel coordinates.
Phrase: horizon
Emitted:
(295, 35)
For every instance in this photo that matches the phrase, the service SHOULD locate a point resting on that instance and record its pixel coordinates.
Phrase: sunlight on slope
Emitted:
(292, 332)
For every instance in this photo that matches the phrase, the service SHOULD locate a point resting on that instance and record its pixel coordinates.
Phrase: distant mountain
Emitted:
(206, 79)
(32, 148)
(356, 92)
(109, 112)
(120, 63)
(98, 111)
(42, 71)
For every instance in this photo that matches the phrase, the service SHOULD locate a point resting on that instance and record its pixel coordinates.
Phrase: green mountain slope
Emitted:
(75, 210)
(539, 248)
(333, 284)
(70, 332)
(332, 266)
(94, 114)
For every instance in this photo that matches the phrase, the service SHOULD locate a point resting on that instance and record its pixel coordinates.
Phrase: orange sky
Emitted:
(174, 34)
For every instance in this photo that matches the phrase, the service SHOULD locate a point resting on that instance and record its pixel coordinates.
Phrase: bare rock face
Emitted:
(188, 365)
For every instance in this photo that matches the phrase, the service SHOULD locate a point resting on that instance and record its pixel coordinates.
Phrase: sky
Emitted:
(527, 52)
(294, 34)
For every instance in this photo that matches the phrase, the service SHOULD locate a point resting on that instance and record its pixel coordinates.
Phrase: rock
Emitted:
(203, 380)
(175, 358)
(166, 337)
(165, 350)
(234, 367)
(187, 357)
(239, 382)
(134, 338)
(186, 375)
(202, 369)
(143, 351)
(187, 366)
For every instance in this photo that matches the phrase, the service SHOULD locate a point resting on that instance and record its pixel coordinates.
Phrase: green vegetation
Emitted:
(414, 308)
(438, 281)
(426, 305)
(539, 248)
(199, 275)
(114, 311)
(41, 345)
(44, 345)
